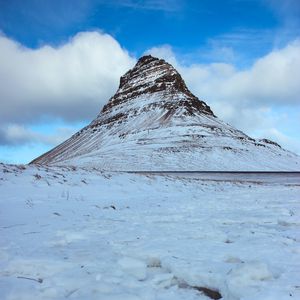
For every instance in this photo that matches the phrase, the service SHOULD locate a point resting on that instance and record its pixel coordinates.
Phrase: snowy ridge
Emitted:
(154, 122)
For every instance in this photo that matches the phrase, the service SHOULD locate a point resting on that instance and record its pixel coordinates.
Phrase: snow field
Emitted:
(79, 234)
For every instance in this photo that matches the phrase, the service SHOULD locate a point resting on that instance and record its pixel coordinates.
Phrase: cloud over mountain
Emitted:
(70, 82)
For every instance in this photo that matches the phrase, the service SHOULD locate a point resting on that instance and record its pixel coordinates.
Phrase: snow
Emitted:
(74, 233)
(134, 267)
(193, 143)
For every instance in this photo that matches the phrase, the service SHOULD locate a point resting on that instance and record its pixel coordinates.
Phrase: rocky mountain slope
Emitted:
(154, 122)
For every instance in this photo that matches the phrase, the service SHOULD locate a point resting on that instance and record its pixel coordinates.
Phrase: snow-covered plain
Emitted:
(70, 233)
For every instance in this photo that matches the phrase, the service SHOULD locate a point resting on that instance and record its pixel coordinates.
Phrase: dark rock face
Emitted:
(152, 75)
(266, 141)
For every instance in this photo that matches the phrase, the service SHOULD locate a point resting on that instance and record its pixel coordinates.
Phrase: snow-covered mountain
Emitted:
(154, 122)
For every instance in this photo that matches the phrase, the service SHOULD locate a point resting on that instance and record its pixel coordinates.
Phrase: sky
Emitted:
(61, 60)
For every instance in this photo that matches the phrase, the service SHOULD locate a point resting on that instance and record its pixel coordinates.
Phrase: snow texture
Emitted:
(73, 233)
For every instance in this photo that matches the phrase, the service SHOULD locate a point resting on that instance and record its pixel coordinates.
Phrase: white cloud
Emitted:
(161, 5)
(272, 79)
(70, 82)
(15, 135)
(165, 52)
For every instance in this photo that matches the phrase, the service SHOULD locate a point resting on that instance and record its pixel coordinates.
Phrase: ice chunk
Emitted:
(134, 267)
(247, 278)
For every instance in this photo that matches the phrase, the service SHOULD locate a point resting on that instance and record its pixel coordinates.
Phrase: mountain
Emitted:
(154, 122)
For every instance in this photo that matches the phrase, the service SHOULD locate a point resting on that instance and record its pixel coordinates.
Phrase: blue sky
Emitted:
(188, 26)
(61, 60)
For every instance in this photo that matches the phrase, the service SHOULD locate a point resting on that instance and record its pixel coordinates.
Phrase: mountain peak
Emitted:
(147, 59)
(151, 76)
(148, 70)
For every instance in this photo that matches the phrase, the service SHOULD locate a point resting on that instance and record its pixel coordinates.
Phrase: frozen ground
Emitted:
(78, 234)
